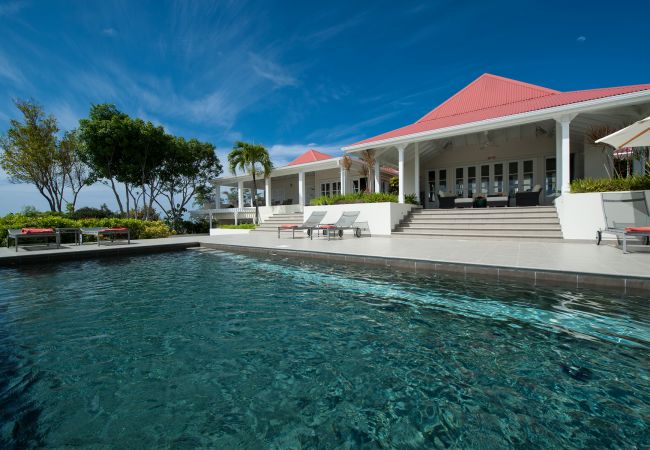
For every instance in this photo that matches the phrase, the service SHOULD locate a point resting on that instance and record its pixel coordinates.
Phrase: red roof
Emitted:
(309, 156)
(491, 96)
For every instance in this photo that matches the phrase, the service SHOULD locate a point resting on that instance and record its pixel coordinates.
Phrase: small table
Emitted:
(75, 231)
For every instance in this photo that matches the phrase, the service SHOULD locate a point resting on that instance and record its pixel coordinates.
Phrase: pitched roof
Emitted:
(491, 96)
(309, 156)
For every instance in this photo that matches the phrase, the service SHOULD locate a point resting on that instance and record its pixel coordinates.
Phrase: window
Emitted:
(331, 188)
(360, 184)
(498, 179)
(513, 177)
(336, 188)
(460, 182)
(442, 180)
(432, 185)
(528, 175)
(550, 179)
(485, 180)
(325, 189)
(471, 181)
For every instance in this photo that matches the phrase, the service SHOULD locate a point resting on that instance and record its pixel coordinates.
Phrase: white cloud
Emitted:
(282, 154)
(9, 71)
(110, 31)
(269, 70)
(581, 38)
(11, 8)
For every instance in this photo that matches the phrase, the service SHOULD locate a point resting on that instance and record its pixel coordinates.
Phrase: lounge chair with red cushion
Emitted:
(626, 216)
(347, 221)
(314, 219)
(109, 232)
(31, 234)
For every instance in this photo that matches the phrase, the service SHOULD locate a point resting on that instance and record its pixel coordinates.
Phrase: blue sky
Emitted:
(296, 75)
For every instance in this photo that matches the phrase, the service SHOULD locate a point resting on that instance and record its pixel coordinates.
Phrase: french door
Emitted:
(500, 177)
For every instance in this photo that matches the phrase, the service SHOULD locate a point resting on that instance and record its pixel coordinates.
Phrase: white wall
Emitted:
(581, 215)
(226, 231)
(382, 218)
(596, 163)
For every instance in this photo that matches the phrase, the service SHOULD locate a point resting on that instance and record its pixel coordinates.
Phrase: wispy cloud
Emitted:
(10, 71)
(10, 8)
(110, 31)
(282, 154)
(272, 71)
(581, 38)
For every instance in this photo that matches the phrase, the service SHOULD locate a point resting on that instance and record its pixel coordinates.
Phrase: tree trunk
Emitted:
(126, 193)
(254, 196)
(117, 197)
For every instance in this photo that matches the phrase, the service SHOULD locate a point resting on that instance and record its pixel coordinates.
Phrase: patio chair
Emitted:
(98, 232)
(312, 221)
(446, 201)
(626, 215)
(32, 233)
(529, 198)
(347, 221)
(497, 200)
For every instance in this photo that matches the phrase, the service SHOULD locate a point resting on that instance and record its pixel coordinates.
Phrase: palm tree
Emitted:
(253, 159)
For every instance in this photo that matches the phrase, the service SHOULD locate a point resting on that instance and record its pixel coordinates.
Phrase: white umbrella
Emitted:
(636, 135)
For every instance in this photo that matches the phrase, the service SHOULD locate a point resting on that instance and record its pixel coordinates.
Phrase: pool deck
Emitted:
(575, 264)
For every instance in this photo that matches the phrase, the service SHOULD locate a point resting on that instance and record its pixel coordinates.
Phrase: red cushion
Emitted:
(638, 229)
(36, 230)
(327, 226)
(114, 229)
(287, 225)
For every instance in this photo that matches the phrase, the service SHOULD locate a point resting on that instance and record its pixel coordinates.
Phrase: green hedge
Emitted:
(631, 183)
(139, 229)
(357, 197)
(241, 226)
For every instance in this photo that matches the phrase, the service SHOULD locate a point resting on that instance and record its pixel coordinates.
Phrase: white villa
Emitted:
(495, 137)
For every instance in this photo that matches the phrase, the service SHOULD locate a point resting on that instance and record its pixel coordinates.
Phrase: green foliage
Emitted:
(139, 229)
(393, 185)
(631, 183)
(410, 199)
(87, 212)
(357, 197)
(241, 226)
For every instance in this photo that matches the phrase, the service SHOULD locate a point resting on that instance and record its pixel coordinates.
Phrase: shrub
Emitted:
(241, 226)
(88, 212)
(631, 183)
(356, 197)
(139, 229)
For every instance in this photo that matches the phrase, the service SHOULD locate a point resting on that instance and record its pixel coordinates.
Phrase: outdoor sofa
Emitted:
(497, 200)
(446, 201)
(32, 233)
(312, 221)
(347, 221)
(111, 233)
(626, 216)
(529, 198)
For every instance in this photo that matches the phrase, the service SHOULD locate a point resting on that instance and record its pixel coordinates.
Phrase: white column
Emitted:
(416, 175)
(217, 195)
(377, 176)
(344, 181)
(267, 191)
(558, 156)
(240, 194)
(301, 188)
(402, 173)
(565, 151)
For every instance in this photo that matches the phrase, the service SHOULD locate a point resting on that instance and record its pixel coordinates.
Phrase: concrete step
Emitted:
(478, 237)
(536, 234)
(480, 226)
(496, 220)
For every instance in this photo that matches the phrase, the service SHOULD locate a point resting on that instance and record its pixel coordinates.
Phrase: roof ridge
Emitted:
(542, 89)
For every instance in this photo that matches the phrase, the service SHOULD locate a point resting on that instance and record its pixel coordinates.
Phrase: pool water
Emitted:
(213, 349)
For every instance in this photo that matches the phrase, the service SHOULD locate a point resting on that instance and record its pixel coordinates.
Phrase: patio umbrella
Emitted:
(636, 135)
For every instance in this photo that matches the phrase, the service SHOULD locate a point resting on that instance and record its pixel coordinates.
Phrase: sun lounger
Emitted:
(626, 216)
(347, 221)
(32, 233)
(98, 232)
(312, 221)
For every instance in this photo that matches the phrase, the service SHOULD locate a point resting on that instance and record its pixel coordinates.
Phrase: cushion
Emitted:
(288, 225)
(114, 229)
(36, 231)
(327, 226)
(638, 229)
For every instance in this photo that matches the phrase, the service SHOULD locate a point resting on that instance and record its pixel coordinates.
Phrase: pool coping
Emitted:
(533, 276)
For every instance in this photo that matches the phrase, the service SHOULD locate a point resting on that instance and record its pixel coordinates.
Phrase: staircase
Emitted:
(535, 222)
(272, 223)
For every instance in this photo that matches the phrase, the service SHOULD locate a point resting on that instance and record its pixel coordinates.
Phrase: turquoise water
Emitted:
(210, 349)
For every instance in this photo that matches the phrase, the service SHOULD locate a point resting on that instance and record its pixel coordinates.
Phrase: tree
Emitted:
(188, 168)
(253, 159)
(368, 160)
(31, 153)
(74, 168)
(105, 137)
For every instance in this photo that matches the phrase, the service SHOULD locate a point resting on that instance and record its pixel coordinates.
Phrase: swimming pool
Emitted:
(213, 349)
